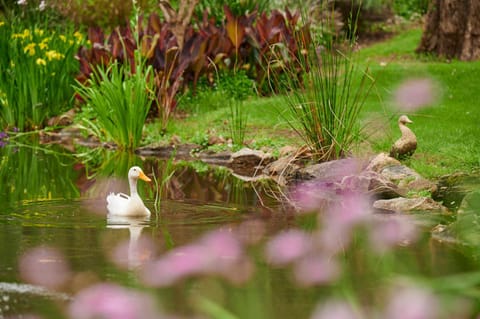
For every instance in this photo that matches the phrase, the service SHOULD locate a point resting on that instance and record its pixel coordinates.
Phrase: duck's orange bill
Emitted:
(144, 177)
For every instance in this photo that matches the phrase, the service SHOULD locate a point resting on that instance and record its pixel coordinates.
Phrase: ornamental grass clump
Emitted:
(119, 102)
(37, 69)
(326, 101)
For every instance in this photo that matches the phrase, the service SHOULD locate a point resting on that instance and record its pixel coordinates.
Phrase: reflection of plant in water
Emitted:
(161, 183)
(32, 174)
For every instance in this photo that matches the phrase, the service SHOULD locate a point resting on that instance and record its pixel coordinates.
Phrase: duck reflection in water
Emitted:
(138, 250)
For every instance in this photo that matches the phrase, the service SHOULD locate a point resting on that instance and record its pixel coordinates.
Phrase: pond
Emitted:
(55, 202)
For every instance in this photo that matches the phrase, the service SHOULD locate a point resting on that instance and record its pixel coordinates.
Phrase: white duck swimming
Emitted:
(124, 205)
(407, 143)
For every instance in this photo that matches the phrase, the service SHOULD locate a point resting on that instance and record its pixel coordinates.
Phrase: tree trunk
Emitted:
(452, 29)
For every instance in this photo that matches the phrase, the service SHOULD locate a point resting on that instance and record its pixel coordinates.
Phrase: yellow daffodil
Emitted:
(63, 38)
(24, 35)
(41, 61)
(53, 55)
(30, 48)
(38, 32)
(78, 36)
(43, 45)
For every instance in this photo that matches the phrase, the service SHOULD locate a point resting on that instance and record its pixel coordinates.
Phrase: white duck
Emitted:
(407, 143)
(124, 205)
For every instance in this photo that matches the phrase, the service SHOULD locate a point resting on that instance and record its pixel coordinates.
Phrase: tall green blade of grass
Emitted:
(238, 121)
(120, 101)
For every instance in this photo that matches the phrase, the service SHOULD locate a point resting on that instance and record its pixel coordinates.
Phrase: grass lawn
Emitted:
(448, 131)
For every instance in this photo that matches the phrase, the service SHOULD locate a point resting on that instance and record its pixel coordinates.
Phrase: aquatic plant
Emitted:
(119, 102)
(37, 69)
(325, 103)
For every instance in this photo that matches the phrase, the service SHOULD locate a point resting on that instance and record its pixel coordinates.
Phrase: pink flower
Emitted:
(350, 210)
(316, 270)
(335, 309)
(44, 266)
(109, 301)
(218, 253)
(393, 230)
(177, 264)
(415, 93)
(287, 247)
(412, 303)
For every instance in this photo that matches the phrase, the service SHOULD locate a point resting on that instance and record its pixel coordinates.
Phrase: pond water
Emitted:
(49, 199)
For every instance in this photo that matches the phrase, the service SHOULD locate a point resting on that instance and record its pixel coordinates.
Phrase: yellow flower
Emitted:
(53, 55)
(41, 61)
(30, 48)
(63, 38)
(38, 32)
(25, 34)
(43, 45)
(2, 23)
(78, 36)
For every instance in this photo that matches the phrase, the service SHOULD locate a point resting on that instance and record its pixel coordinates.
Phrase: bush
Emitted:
(408, 8)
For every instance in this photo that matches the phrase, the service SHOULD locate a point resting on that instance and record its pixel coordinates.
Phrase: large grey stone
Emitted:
(333, 171)
(425, 204)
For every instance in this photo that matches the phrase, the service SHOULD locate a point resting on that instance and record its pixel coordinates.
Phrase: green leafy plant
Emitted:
(238, 121)
(244, 45)
(326, 101)
(37, 69)
(120, 101)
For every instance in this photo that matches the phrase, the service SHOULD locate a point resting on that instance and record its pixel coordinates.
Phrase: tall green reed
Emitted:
(326, 100)
(119, 102)
(37, 68)
(238, 121)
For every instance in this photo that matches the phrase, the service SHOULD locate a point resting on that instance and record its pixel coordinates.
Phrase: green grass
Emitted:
(447, 132)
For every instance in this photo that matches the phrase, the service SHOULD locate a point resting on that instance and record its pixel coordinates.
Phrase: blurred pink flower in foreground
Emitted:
(316, 270)
(44, 266)
(335, 309)
(317, 194)
(217, 253)
(416, 93)
(339, 221)
(288, 247)
(412, 303)
(109, 301)
(392, 231)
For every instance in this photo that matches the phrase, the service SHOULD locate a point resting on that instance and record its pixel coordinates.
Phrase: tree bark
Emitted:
(452, 29)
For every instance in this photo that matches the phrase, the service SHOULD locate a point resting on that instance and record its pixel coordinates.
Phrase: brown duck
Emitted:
(407, 144)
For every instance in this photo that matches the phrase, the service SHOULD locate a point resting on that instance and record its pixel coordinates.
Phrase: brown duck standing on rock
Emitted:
(407, 144)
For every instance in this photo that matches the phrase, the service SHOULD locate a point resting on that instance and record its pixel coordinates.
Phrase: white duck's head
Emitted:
(404, 120)
(136, 172)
